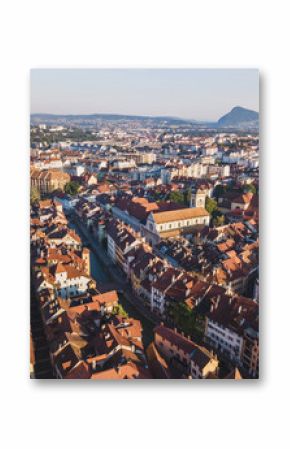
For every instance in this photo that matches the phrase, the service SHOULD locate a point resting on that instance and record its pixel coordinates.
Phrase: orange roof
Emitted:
(60, 268)
(79, 371)
(167, 234)
(111, 296)
(179, 214)
(44, 204)
(127, 371)
(49, 175)
(89, 307)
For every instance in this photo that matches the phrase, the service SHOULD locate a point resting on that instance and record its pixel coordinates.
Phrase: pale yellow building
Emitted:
(47, 181)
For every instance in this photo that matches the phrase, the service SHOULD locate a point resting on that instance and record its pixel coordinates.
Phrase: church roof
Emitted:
(181, 214)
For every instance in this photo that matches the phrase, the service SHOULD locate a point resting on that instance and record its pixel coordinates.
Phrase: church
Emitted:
(161, 225)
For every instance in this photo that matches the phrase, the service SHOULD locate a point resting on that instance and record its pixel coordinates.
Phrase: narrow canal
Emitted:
(102, 276)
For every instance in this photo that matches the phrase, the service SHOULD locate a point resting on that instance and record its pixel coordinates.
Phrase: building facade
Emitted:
(47, 181)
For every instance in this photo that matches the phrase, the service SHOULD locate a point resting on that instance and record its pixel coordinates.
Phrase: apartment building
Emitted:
(47, 181)
(232, 328)
(192, 360)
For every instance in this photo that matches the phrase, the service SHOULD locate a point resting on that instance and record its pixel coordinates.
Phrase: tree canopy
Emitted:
(72, 188)
(190, 322)
(219, 220)
(34, 195)
(219, 190)
(119, 310)
(187, 196)
(210, 205)
(250, 188)
(177, 196)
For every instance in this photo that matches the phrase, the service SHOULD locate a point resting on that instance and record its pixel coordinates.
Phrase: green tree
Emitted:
(188, 320)
(187, 197)
(34, 195)
(119, 310)
(210, 205)
(219, 190)
(219, 220)
(177, 197)
(250, 188)
(72, 188)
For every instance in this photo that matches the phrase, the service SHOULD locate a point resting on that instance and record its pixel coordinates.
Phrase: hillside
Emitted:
(239, 117)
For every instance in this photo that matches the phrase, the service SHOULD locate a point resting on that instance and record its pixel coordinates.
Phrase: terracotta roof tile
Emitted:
(181, 214)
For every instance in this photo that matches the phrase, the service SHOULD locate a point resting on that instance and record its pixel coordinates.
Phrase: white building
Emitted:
(195, 170)
(230, 320)
(171, 223)
(224, 339)
(70, 281)
(124, 164)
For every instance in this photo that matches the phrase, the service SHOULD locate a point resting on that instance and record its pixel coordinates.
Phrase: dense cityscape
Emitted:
(144, 248)
(153, 138)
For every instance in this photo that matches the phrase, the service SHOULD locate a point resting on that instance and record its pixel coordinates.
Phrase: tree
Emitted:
(187, 196)
(34, 195)
(186, 319)
(72, 188)
(219, 190)
(219, 220)
(250, 188)
(210, 205)
(119, 310)
(177, 197)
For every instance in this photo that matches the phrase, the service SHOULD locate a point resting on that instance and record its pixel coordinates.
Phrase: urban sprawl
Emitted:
(144, 251)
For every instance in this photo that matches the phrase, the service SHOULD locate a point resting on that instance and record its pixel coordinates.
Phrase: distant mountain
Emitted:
(91, 118)
(239, 117)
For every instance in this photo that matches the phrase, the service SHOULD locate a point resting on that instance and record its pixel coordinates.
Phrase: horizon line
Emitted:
(138, 115)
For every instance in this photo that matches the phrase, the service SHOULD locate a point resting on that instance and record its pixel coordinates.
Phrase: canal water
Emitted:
(102, 276)
(98, 271)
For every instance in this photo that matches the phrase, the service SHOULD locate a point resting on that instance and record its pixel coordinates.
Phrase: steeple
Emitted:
(197, 198)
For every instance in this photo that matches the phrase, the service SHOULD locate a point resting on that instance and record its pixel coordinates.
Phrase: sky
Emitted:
(201, 94)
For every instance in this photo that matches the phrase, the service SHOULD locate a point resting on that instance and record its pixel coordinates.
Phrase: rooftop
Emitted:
(181, 214)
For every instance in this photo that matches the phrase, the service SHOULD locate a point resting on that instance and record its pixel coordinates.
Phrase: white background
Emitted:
(144, 34)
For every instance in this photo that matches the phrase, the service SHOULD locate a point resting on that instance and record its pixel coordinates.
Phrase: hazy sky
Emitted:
(202, 94)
